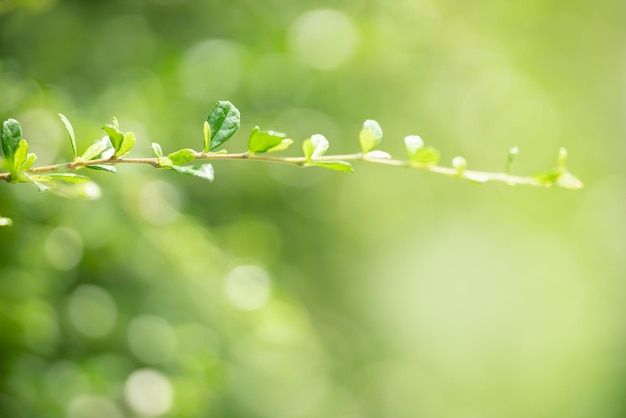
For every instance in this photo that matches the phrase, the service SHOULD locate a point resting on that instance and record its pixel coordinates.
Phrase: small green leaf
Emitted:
(559, 177)
(11, 136)
(307, 149)
(165, 162)
(510, 159)
(334, 165)
(157, 149)
(370, 136)
(548, 178)
(128, 142)
(413, 144)
(30, 161)
(315, 147)
(182, 156)
(284, 144)
(207, 137)
(569, 181)
(67, 185)
(460, 164)
(204, 171)
(114, 134)
(70, 132)
(19, 158)
(267, 141)
(102, 167)
(426, 156)
(562, 158)
(5, 221)
(95, 150)
(224, 121)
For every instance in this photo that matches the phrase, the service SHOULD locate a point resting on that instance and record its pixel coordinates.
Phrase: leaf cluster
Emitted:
(222, 124)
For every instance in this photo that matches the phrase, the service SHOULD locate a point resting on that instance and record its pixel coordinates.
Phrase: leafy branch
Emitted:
(222, 123)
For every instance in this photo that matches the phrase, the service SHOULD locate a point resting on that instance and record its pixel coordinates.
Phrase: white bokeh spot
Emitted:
(148, 393)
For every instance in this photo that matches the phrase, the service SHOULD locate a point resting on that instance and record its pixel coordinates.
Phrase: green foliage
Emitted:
(420, 154)
(182, 156)
(314, 147)
(67, 185)
(511, 159)
(460, 164)
(559, 176)
(267, 141)
(122, 142)
(70, 133)
(204, 171)
(223, 122)
(11, 137)
(207, 136)
(98, 149)
(370, 136)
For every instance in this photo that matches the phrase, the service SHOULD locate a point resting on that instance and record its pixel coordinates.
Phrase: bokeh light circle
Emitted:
(247, 287)
(92, 310)
(151, 338)
(324, 38)
(149, 392)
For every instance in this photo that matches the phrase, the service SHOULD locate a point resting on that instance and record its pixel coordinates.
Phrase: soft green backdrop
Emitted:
(280, 292)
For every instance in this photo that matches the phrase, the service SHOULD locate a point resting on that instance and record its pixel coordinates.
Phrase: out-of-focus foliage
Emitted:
(278, 292)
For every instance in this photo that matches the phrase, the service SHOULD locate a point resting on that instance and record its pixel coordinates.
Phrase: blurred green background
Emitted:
(280, 292)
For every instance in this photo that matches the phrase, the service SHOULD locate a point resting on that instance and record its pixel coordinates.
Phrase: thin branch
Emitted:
(478, 176)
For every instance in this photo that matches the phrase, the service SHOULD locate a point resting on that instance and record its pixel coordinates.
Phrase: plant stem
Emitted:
(477, 176)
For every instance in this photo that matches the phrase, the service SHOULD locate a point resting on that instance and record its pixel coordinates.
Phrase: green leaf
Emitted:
(510, 159)
(267, 141)
(334, 165)
(96, 149)
(182, 156)
(157, 149)
(559, 177)
(315, 147)
(128, 142)
(207, 137)
(307, 149)
(548, 178)
(562, 157)
(67, 185)
(204, 171)
(284, 144)
(460, 164)
(413, 144)
(102, 167)
(30, 161)
(115, 135)
(426, 156)
(569, 181)
(11, 136)
(165, 162)
(370, 136)
(224, 121)
(19, 158)
(70, 132)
